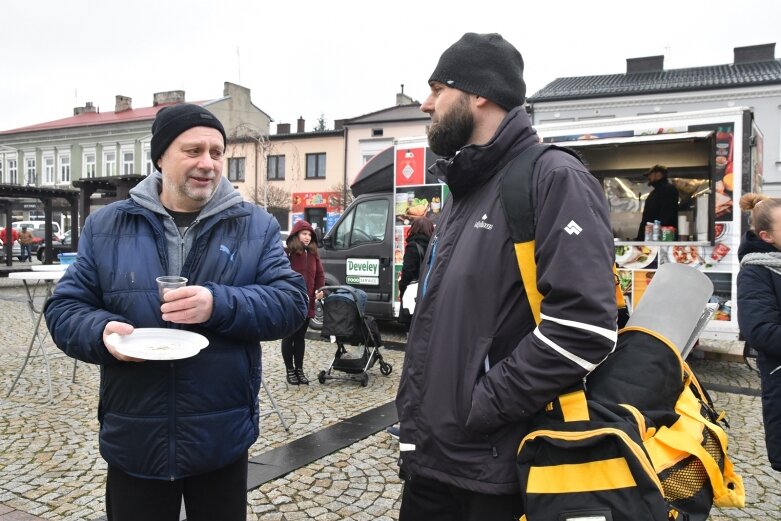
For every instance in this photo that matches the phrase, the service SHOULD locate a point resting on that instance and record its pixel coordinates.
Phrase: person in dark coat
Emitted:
(478, 363)
(302, 250)
(759, 308)
(662, 203)
(178, 429)
(418, 237)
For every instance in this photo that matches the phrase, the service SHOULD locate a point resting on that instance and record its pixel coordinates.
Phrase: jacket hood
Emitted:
(474, 164)
(299, 226)
(751, 243)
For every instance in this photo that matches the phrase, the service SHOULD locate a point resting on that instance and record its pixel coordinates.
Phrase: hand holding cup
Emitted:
(167, 283)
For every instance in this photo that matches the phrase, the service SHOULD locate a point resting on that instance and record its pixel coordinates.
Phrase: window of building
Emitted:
(315, 166)
(127, 162)
(275, 168)
(65, 168)
(376, 132)
(109, 163)
(149, 167)
(13, 171)
(30, 171)
(235, 169)
(48, 170)
(90, 169)
(2, 160)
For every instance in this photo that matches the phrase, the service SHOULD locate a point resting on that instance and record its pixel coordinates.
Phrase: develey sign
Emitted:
(365, 267)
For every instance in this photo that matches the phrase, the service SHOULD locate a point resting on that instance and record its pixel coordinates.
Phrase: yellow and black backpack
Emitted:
(641, 440)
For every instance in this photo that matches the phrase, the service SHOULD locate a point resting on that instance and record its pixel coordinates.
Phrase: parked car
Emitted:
(35, 225)
(58, 246)
(35, 245)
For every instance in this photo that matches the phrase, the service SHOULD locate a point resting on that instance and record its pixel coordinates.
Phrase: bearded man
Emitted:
(477, 366)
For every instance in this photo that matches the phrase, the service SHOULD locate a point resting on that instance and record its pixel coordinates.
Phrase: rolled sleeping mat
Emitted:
(673, 303)
(648, 354)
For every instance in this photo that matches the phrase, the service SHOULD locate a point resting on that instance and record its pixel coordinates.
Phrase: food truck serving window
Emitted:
(620, 164)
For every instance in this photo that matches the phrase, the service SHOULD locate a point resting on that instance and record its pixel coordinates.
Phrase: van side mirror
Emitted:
(327, 241)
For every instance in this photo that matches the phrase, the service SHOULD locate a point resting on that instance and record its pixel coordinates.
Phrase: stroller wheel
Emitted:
(364, 379)
(321, 377)
(385, 368)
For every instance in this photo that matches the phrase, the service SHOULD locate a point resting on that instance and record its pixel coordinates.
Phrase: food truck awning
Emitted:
(650, 138)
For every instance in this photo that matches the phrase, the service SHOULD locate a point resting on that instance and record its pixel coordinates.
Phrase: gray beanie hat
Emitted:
(486, 65)
(175, 119)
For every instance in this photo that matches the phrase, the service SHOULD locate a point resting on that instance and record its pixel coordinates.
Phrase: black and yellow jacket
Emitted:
(477, 366)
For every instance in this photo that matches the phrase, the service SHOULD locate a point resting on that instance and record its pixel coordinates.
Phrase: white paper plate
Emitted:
(154, 343)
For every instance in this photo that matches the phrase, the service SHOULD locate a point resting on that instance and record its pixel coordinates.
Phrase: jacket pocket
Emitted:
(474, 370)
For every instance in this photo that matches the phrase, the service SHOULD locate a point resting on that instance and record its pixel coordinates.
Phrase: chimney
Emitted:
(646, 64)
(123, 103)
(233, 89)
(88, 107)
(301, 122)
(755, 53)
(403, 99)
(171, 96)
(283, 128)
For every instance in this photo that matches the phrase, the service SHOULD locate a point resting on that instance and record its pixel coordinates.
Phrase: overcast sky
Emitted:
(340, 58)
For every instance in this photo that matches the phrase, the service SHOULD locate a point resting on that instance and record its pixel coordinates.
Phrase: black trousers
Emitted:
(424, 499)
(770, 375)
(220, 494)
(293, 347)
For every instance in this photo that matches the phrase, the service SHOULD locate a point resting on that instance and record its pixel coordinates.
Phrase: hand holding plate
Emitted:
(119, 328)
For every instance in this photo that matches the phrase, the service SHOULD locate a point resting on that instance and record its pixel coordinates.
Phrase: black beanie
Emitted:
(175, 119)
(486, 65)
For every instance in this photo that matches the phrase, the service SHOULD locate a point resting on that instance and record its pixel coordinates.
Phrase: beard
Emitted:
(453, 130)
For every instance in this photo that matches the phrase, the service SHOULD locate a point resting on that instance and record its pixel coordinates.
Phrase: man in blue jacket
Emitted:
(181, 428)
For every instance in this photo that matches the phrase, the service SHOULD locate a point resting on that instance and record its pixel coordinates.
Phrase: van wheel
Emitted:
(317, 322)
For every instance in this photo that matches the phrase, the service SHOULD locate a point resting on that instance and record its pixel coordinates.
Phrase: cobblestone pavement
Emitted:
(50, 466)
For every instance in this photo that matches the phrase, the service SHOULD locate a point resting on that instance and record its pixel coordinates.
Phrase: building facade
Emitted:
(94, 144)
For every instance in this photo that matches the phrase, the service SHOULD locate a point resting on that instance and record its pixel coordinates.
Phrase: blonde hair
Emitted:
(761, 208)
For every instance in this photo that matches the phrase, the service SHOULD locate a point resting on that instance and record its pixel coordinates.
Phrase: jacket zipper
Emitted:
(430, 263)
(172, 422)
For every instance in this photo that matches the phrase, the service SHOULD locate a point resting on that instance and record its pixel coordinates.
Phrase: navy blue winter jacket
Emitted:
(169, 420)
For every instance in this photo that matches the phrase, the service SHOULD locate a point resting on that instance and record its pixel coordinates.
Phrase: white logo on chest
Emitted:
(482, 224)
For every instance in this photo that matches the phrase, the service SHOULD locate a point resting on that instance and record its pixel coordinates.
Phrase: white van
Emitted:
(35, 225)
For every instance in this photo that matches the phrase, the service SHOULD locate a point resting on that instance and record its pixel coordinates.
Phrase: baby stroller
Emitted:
(346, 324)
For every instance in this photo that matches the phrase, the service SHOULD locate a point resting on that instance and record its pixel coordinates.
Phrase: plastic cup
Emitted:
(169, 282)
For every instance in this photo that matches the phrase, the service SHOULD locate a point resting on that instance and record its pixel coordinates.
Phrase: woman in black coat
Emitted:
(759, 308)
(417, 241)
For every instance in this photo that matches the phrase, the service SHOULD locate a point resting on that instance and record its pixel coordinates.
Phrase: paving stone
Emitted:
(50, 463)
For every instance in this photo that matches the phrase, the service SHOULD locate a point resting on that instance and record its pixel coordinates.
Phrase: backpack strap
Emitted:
(421, 252)
(519, 201)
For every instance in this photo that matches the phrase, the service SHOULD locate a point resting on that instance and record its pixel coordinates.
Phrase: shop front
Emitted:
(320, 209)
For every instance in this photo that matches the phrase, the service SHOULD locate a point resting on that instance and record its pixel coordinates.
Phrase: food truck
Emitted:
(712, 158)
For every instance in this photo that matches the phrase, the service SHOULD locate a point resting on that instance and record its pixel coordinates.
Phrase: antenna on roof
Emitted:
(238, 63)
